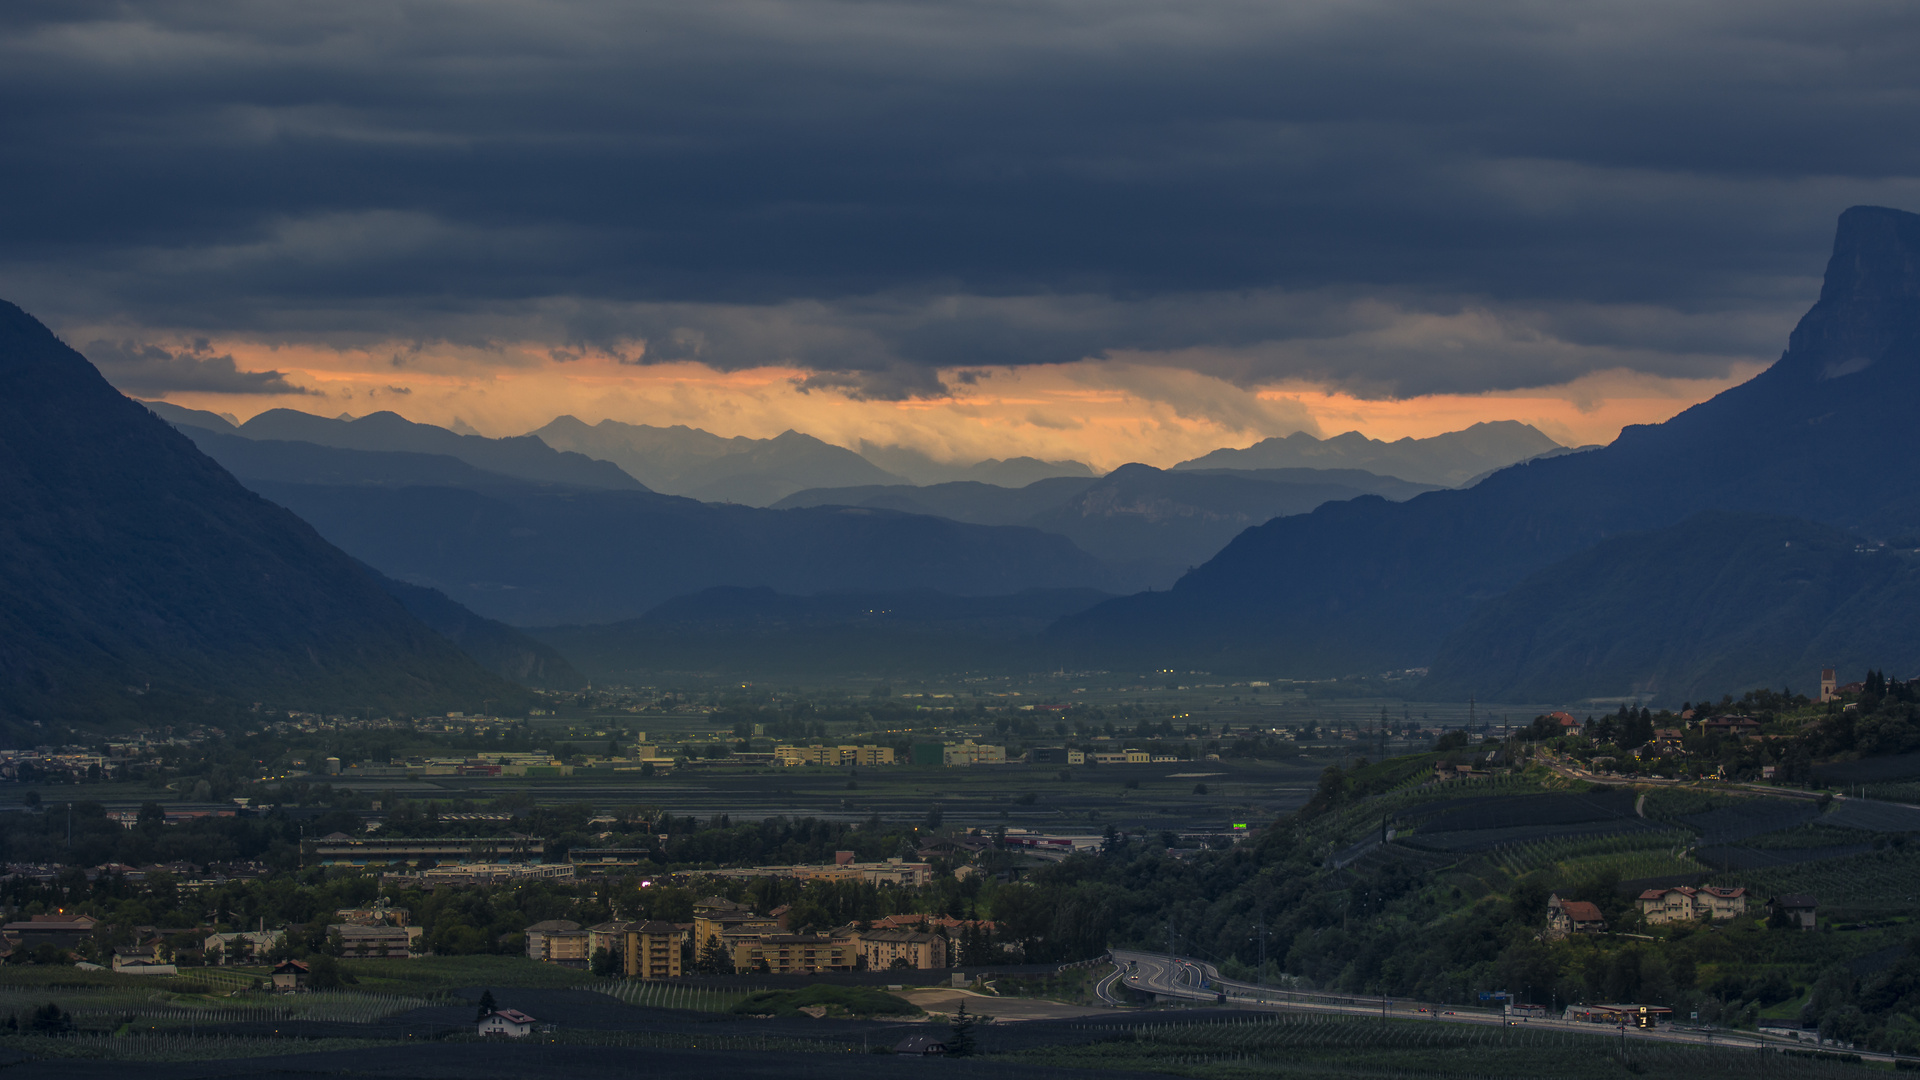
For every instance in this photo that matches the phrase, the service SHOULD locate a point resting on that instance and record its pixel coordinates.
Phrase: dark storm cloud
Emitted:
(152, 371)
(873, 189)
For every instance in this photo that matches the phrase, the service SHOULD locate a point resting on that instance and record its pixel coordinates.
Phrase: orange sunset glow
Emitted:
(1101, 412)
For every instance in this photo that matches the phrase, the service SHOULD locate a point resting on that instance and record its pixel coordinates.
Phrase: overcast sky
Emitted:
(900, 202)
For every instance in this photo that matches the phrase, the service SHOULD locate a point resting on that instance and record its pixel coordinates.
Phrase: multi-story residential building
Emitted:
(611, 936)
(783, 954)
(653, 950)
(715, 918)
(901, 948)
(541, 940)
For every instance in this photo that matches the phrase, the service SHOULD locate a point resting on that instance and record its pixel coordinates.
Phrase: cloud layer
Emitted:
(149, 370)
(1454, 196)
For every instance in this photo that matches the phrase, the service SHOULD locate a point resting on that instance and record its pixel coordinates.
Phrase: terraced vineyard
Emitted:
(659, 995)
(1759, 858)
(1491, 822)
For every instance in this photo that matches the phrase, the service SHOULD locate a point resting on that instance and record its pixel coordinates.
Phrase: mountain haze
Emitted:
(680, 460)
(1824, 434)
(541, 553)
(918, 467)
(763, 634)
(1151, 525)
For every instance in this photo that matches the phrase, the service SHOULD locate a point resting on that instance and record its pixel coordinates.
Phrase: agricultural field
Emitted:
(1335, 1048)
(1740, 819)
(1654, 852)
(1184, 795)
(1872, 817)
(1491, 822)
(1885, 880)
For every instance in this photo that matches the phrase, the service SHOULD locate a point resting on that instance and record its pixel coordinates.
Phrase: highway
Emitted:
(1186, 979)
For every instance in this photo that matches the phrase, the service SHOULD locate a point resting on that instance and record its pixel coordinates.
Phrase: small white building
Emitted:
(141, 962)
(511, 1023)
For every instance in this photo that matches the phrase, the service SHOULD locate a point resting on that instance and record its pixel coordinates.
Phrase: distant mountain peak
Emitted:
(1867, 303)
(1449, 459)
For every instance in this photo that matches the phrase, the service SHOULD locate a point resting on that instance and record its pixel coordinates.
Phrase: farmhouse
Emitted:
(1566, 722)
(511, 1023)
(1798, 909)
(1573, 917)
(290, 975)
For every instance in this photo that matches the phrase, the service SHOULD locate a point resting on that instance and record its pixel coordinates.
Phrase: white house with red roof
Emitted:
(511, 1023)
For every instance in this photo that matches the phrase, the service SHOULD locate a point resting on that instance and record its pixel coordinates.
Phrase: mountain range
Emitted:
(1367, 584)
(522, 457)
(136, 570)
(560, 540)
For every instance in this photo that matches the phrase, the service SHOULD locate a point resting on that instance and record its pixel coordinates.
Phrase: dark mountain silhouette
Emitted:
(1151, 525)
(680, 460)
(1719, 601)
(522, 457)
(133, 565)
(763, 634)
(1449, 460)
(1824, 434)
